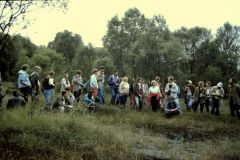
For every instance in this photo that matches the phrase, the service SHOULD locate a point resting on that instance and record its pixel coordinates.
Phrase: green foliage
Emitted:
(67, 44)
(48, 59)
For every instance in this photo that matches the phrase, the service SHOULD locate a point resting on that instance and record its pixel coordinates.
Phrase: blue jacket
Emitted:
(23, 80)
(113, 81)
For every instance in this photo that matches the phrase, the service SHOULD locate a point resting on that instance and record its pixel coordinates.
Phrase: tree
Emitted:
(84, 59)
(192, 39)
(13, 12)
(228, 39)
(67, 44)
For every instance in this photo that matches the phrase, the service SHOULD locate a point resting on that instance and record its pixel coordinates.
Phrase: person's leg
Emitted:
(25, 92)
(117, 96)
(195, 106)
(113, 96)
(136, 98)
(201, 107)
(154, 103)
(207, 103)
(232, 108)
(213, 106)
(236, 109)
(47, 97)
(217, 107)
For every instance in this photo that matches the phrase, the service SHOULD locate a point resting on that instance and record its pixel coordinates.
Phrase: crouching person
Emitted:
(62, 103)
(92, 100)
(15, 101)
(171, 107)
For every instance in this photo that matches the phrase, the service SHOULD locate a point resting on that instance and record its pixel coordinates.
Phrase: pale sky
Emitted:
(89, 18)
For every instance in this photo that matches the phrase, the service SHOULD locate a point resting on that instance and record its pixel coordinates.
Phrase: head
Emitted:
(170, 79)
(125, 79)
(232, 81)
(68, 89)
(189, 82)
(208, 84)
(138, 80)
(94, 71)
(153, 83)
(157, 78)
(102, 69)
(66, 75)
(201, 84)
(64, 93)
(25, 67)
(38, 69)
(51, 73)
(16, 93)
(116, 73)
(79, 72)
(220, 85)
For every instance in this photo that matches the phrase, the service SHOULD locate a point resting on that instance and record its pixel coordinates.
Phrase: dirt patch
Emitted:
(188, 134)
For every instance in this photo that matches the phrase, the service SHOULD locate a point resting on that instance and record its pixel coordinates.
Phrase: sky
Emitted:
(89, 18)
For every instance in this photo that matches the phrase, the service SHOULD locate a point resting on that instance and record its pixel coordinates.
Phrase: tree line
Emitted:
(135, 46)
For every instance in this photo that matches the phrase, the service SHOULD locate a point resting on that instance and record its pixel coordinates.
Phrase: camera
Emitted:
(170, 85)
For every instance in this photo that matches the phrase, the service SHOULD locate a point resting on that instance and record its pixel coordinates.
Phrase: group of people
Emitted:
(158, 96)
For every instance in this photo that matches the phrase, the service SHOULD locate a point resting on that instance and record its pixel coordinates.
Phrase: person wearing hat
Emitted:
(23, 82)
(217, 93)
(48, 85)
(35, 82)
(189, 91)
(154, 96)
(171, 89)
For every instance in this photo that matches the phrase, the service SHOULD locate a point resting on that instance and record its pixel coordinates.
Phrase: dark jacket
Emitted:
(15, 102)
(138, 89)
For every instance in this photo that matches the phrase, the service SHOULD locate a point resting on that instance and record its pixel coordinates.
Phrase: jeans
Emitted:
(189, 102)
(138, 103)
(115, 96)
(215, 107)
(100, 93)
(77, 95)
(48, 94)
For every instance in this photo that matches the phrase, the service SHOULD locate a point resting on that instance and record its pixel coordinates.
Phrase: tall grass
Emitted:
(115, 133)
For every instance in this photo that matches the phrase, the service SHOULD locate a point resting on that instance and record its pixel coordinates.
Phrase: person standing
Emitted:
(114, 82)
(48, 85)
(23, 81)
(124, 91)
(101, 80)
(208, 95)
(35, 82)
(93, 81)
(65, 82)
(154, 96)
(234, 97)
(171, 89)
(217, 93)
(199, 97)
(189, 91)
(77, 85)
(138, 92)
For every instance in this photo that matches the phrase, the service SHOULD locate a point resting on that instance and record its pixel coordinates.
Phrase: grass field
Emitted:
(114, 133)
